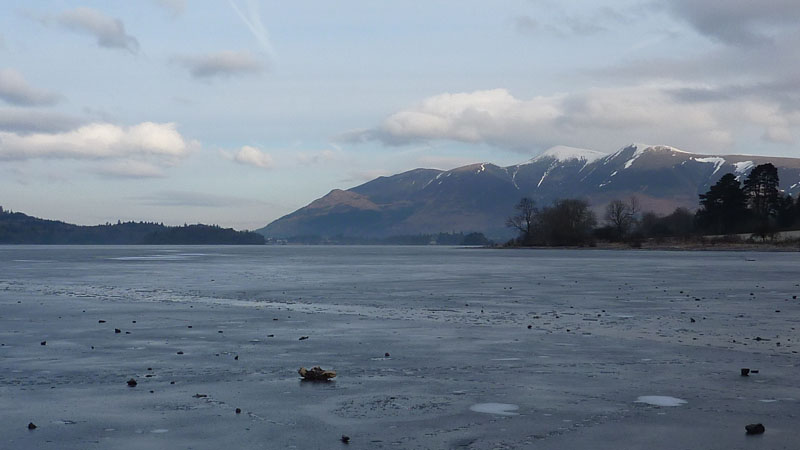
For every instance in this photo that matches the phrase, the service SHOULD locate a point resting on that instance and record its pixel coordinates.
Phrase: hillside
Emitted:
(479, 197)
(19, 228)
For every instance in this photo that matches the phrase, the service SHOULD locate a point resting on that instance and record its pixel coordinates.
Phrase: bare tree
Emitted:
(619, 216)
(634, 206)
(524, 219)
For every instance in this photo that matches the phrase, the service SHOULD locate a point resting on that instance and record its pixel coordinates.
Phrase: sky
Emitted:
(237, 112)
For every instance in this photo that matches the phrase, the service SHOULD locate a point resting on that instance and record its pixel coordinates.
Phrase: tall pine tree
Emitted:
(723, 209)
(763, 195)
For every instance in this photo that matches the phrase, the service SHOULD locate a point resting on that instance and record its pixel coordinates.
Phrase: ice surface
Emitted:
(500, 409)
(606, 327)
(660, 400)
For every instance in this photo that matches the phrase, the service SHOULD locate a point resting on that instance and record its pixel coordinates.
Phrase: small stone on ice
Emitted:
(345, 439)
(755, 428)
(132, 382)
(31, 426)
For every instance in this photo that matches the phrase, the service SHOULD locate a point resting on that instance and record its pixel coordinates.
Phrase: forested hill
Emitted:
(19, 228)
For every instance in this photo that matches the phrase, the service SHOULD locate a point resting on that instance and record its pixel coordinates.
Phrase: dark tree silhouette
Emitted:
(787, 212)
(723, 209)
(763, 194)
(523, 220)
(621, 216)
(764, 197)
(567, 222)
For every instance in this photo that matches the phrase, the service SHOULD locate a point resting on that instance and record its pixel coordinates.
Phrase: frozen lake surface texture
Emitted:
(487, 349)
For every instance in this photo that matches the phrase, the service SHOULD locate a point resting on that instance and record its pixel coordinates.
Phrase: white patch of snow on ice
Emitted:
(660, 400)
(500, 409)
(159, 430)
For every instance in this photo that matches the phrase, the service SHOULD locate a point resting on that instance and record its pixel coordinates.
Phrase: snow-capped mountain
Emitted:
(479, 197)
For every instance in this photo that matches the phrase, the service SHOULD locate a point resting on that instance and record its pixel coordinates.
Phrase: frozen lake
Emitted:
(545, 349)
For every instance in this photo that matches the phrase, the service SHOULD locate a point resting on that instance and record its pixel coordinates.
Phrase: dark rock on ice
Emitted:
(316, 374)
(755, 428)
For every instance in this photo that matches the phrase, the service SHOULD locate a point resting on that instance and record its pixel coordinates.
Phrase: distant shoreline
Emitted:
(686, 247)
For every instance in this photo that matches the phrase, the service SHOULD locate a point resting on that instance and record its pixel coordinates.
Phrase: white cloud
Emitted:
(254, 157)
(221, 64)
(597, 118)
(15, 89)
(108, 31)
(99, 141)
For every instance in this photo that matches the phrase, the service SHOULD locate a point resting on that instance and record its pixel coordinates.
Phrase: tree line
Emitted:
(756, 206)
(19, 228)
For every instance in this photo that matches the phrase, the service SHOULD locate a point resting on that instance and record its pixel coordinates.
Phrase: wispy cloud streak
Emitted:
(252, 20)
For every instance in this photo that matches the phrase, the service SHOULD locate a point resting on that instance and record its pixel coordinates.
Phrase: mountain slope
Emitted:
(479, 197)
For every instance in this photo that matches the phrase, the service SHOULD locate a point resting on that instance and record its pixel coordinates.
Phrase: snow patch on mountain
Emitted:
(741, 167)
(563, 153)
(716, 160)
(641, 149)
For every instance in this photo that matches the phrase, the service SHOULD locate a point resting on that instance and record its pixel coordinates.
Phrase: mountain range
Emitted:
(479, 197)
